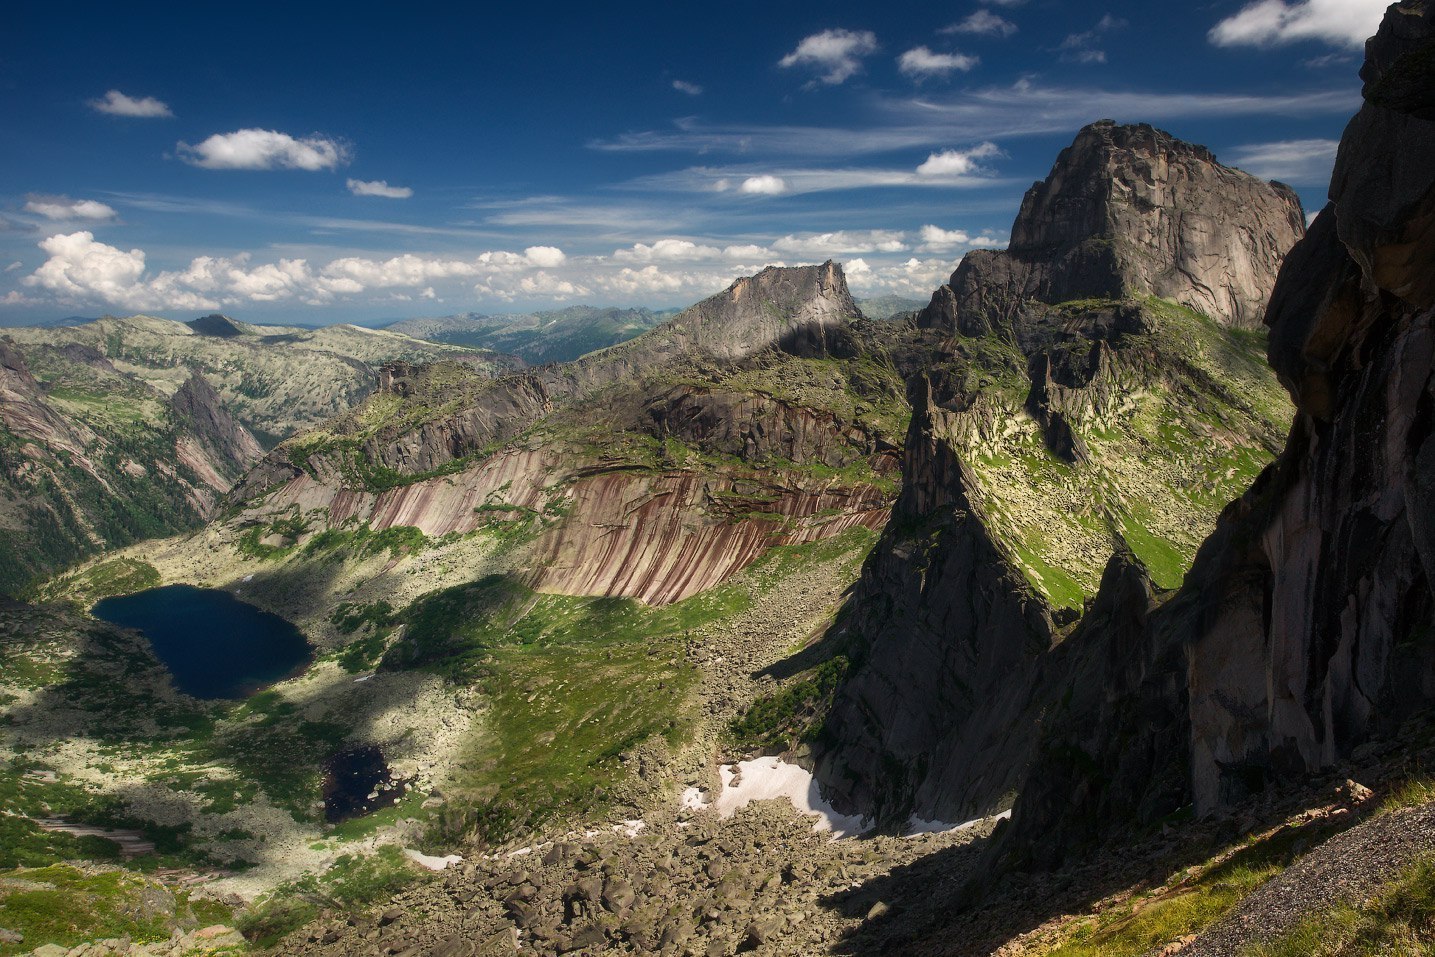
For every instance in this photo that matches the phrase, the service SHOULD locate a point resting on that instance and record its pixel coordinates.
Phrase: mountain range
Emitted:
(1095, 593)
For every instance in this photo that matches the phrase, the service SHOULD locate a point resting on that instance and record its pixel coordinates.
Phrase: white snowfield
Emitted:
(771, 778)
(768, 779)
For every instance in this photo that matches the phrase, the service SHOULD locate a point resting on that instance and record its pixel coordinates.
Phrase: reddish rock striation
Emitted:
(665, 537)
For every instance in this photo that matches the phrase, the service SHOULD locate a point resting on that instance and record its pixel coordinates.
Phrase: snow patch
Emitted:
(432, 863)
(771, 778)
(917, 826)
(696, 799)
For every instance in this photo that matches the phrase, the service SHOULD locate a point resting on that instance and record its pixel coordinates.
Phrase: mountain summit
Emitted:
(1131, 211)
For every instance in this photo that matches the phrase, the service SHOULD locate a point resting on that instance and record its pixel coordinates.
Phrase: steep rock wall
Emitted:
(1130, 211)
(1308, 620)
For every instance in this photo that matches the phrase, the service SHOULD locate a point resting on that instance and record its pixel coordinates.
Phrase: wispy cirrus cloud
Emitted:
(1024, 108)
(1297, 162)
(1085, 47)
(982, 23)
(378, 187)
(258, 149)
(65, 209)
(921, 63)
(691, 89)
(116, 103)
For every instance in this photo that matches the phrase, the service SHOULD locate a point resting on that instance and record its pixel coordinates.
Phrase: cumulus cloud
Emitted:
(1345, 23)
(265, 149)
(920, 63)
(1297, 162)
(80, 268)
(935, 239)
(957, 162)
(545, 256)
(378, 187)
(66, 209)
(836, 55)
(841, 243)
(765, 185)
(691, 89)
(982, 23)
(913, 277)
(116, 103)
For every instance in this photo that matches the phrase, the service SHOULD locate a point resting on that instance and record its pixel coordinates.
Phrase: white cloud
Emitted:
(836, 55)
(936, 239)
(64, 208)
(691, 89)
(378, 187)
(957, 162)
(17, 264)
(116, 103)
(1081, 47)
(79, 268)
(546, 256)
(841, 243)
(265, 149)
(920, 62)
(1005, 3)
(765, 185)
(667, 250)
(1345, 23)
(915, 277)
(1297, 162)
(982, 23)
(1022, 108)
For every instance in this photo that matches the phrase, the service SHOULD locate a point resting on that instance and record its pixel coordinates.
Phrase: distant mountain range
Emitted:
(565, 334)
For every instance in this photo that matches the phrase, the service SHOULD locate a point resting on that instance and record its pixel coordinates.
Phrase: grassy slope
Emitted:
(1182, 444)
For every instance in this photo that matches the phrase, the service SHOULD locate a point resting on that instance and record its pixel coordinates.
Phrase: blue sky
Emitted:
(327, 164)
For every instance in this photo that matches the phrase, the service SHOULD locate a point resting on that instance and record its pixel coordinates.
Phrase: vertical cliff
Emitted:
(1308, 620)
(1130, 211)
(1094, 396)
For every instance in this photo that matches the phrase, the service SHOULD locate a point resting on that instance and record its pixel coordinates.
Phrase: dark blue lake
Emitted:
(215, 645)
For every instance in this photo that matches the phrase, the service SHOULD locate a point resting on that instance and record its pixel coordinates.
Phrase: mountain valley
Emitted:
(1085, 609)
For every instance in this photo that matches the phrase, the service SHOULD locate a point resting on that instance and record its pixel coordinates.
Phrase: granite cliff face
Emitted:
(1130, 211)
(654, 469)
(1092, 398)
(91, 457)
(1305, 624)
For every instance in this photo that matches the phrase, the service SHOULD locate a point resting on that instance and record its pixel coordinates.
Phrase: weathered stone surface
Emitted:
(1305, 624)
(944, 619)
(231, 446)
(1130, 211)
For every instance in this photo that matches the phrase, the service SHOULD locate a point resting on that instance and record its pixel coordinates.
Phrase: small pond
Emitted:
(356, 782)
(215, 645)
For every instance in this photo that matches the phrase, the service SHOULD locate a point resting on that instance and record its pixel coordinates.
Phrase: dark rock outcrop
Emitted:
(943, 619)
(219, 326)
(957, 668)
(1130, 211)
(1308, 620)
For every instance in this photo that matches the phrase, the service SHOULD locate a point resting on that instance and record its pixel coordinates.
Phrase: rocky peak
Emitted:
(803, 310)
(14, 373)
(219, 326)
(1131, 211)
(200, 407)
